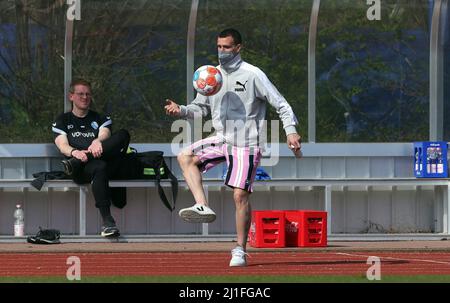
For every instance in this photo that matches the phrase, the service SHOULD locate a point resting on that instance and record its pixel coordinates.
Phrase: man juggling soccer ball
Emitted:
(241, 102)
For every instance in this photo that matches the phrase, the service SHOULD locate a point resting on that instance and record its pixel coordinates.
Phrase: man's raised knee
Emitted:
(124, 134)
(184, 159)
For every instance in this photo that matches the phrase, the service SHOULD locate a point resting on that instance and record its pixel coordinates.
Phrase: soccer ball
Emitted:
(207, 80)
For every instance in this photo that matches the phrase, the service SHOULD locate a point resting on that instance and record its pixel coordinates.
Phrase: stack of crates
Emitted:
(267, 229)
(288, 228)
(430, 159)
(306, 228)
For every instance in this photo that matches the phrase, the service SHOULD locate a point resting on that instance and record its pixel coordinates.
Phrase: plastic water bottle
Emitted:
(428, 160)
(417, 160)
(440, 162)
(19, 223)
(420, 160)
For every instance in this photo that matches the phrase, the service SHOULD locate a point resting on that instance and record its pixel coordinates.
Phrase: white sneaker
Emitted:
(238, 257)
(198, 214)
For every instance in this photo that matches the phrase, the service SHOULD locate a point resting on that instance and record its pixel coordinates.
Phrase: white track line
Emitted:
(392, 258)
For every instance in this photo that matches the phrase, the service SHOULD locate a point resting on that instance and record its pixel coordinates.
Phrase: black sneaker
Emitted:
(68, 169)
(45, 236)
(110, 231)
(69, 165)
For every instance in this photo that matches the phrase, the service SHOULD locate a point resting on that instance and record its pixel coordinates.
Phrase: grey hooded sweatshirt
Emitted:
(238, 110)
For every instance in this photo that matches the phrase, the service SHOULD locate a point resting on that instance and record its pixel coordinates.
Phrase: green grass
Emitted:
(232, 279)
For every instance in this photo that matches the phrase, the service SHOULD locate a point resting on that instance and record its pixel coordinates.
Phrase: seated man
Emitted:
(93, 155)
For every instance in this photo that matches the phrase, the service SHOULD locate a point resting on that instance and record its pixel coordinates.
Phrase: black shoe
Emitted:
(45, 236)
(110, 231)
(70, 165)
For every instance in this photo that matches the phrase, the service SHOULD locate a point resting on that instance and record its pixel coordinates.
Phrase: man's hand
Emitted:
(294, 143)
(172, 109)
(80, 154)
(96, 148)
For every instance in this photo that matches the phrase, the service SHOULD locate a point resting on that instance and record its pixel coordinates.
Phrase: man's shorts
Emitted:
(242, 162)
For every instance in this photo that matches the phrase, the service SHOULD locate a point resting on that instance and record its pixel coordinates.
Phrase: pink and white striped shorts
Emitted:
(242, 162)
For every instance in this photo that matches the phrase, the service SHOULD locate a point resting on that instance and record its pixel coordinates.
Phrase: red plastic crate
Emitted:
(267, 229)
(306, 228)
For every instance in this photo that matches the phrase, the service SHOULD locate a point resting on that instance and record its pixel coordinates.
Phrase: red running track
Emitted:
(216, 263)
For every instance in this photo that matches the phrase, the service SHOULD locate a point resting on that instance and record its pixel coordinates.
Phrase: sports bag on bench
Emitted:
(151, 165)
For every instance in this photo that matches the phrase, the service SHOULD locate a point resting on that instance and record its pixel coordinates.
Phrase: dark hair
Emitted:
(237, 38)
(76, 82)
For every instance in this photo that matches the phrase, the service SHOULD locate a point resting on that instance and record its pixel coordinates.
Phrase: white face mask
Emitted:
(225, 57)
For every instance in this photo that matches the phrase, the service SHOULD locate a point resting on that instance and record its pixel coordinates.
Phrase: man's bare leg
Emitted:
(243, 215)
(243, 221)
(200, 212)
(193, 176)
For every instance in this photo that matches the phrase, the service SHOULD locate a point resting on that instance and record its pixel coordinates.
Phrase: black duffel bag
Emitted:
(151, 165)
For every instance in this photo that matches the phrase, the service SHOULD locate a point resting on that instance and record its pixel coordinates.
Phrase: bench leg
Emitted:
(328, 207)
(447, 203)
(82, 205)
(440, 209)
(446, 209)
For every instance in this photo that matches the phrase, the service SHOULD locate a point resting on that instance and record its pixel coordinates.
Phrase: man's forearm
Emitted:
(66, 150)
(103, 135)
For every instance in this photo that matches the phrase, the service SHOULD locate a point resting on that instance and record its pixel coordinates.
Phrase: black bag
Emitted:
(151, 165)
(42, 177)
